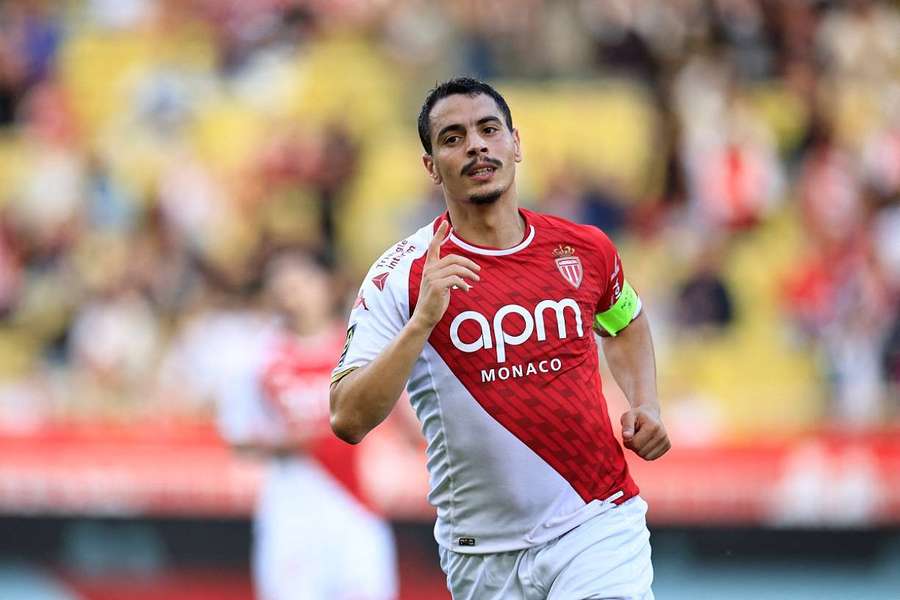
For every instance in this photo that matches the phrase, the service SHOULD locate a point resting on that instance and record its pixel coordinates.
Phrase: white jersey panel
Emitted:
(492, 493)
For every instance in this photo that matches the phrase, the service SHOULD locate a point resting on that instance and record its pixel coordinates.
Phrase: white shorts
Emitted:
(314, 541)
(606, 557)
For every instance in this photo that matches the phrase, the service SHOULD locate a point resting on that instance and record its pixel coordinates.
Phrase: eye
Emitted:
(451, 139)
(490, 129)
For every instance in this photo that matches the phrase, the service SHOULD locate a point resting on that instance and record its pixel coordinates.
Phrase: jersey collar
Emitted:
(485, 250)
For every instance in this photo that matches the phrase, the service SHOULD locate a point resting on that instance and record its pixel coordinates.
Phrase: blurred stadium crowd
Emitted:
(744, 154)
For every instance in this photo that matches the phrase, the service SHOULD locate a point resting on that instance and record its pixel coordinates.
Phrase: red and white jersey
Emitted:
(295, 380)
(507, 389)
(295, 384)
(281, 400)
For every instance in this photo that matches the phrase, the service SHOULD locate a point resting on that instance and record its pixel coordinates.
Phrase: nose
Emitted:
(476, 145)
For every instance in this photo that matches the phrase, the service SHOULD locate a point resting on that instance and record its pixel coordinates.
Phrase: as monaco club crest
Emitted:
(568, 264)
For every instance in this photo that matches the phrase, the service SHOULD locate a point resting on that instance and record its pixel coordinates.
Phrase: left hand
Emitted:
(643, 432)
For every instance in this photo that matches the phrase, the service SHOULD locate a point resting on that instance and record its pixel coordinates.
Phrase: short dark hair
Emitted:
(458, 85)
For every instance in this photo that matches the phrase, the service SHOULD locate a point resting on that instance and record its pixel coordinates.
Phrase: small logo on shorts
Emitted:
(466, 541)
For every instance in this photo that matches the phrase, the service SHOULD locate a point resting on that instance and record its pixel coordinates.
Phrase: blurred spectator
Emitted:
(578, 199)
(885, 233)
(704, 302)
(830, 193)
(840, 299)
(120, 14)
(734, 177)
(619, 44)
(891, 365)
(741, 27)
(113, 344)
(10, 266)
(881, 152)
(862, 40)
(30, 34)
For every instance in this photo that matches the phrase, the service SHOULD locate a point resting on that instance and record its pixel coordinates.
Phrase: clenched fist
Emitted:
(643, 432)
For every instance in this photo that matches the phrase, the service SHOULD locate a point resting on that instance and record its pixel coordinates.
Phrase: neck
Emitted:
(497, 225)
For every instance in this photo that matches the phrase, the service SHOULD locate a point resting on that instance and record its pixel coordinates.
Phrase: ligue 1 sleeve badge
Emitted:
(568, 264)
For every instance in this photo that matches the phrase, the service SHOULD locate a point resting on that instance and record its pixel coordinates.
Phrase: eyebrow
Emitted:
(459, 126)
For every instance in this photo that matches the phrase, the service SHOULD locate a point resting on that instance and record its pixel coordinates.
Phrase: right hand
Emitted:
(643, 432)
(439, 276)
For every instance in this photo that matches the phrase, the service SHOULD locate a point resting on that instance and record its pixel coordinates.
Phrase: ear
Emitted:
(517, 144)
(433, 172)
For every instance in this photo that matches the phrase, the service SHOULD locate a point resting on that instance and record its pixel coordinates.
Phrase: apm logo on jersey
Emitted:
(569, 265)
(494, 335)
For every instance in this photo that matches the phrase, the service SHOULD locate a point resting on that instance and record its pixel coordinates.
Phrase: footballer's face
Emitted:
(473, 152)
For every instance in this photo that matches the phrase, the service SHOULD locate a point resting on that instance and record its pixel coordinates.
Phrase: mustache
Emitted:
(471, 165)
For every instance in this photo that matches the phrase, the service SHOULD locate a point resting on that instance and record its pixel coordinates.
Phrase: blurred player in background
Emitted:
(486, 312)
(315, 536)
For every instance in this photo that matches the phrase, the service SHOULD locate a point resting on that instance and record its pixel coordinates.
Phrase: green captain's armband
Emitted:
(620, 314)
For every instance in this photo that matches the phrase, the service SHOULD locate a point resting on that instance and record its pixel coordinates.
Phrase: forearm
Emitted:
(365, 397)
(632, 363)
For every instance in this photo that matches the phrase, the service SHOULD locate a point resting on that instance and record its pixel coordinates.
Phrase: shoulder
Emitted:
(590, 238)
(382, 305)
(405, 250)
(391, 269)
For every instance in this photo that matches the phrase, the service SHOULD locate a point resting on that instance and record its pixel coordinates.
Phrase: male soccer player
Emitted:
(316, 537)
(487, 314)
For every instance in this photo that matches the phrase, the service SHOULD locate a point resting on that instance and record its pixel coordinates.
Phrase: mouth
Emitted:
(482, 171)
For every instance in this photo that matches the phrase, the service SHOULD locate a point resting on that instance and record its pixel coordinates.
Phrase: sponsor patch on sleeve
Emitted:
(346, 346)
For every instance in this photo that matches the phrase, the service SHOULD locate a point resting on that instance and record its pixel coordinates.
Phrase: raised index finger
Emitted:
(434, 247)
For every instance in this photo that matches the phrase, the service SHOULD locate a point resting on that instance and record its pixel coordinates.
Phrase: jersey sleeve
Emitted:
(618, 303)
(380, 311)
